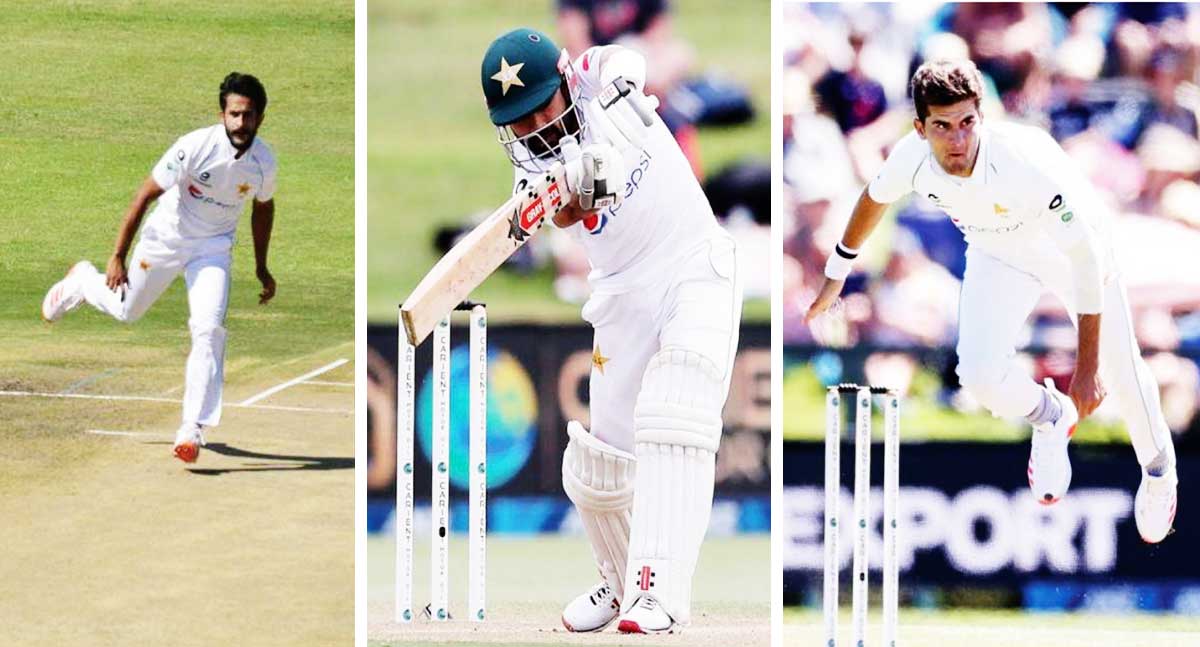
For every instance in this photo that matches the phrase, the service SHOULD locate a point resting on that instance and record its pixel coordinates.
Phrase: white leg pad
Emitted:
(598, 478)
(678, 430)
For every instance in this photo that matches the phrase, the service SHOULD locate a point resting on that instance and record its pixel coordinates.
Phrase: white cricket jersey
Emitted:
(206, 186)
(1024, 203)
(664, 213)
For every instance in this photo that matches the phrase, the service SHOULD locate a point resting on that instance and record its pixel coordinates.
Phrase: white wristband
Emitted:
(840, 263)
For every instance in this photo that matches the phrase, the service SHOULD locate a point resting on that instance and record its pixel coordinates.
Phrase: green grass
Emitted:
(96, 91)
(922, 417)
(432, 154)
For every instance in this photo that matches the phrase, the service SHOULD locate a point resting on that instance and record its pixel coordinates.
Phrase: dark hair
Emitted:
(246, 85)
(945, 82)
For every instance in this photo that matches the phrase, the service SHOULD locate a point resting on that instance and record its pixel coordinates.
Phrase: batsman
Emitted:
(665, 307)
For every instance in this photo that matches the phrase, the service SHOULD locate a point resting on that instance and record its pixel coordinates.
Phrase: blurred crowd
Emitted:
(1115, 84)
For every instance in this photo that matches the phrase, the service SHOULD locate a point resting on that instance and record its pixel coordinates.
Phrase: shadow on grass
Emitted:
(271, 462)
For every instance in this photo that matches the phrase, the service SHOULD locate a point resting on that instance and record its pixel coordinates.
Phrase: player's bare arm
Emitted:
(863, 220)
(116, 274)
(1086, 390)
(262, 219)
(572, 213)
(1080, 245)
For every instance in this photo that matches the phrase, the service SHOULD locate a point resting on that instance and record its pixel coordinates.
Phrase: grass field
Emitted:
(926, 419)
(1008, 628)
(432, 153)
(529, 579)
(107, 538)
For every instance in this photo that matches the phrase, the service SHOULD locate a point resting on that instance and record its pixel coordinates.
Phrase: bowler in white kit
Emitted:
(202, 184)
(1032, 225)
(665, 306)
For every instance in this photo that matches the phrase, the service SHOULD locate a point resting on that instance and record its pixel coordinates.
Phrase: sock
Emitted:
(1158, 466)
(1046, 411)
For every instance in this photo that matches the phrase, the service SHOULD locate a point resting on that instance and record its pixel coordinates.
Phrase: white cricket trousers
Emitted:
(152, 267)
(695, 306)
(996, 300)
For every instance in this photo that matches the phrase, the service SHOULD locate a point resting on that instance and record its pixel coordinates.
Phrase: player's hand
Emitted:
(571, 214)
(622, 114)
(826, 297)
(1086, 391)
(268, 283)
(602, 177)
(115, 276)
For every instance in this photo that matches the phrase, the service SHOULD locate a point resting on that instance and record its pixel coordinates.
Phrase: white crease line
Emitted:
(292, 382)
(325, 383)
(145, 398)
(103, 432)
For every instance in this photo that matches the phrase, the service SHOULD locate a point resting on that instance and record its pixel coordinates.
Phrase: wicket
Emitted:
(438, 608)
(862, 508)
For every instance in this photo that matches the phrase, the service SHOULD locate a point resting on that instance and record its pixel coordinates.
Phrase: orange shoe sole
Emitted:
(187, 452)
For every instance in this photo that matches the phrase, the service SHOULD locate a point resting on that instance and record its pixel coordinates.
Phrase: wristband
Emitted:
(840, 263)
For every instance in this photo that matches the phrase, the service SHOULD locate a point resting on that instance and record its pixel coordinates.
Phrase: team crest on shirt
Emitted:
(243, 189)
(599, 360)
(999, 209)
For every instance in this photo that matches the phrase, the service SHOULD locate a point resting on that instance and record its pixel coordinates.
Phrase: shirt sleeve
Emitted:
(1068, 209)
(172, 166)
(895, 179)
(1063, 191)
(266, 192)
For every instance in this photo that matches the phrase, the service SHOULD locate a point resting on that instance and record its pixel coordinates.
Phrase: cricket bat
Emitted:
(482, 251)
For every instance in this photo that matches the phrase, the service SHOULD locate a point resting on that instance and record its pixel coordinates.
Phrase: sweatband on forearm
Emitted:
(840, 263)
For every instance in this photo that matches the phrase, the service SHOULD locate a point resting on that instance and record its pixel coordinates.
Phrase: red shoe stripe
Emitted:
(1071, 431)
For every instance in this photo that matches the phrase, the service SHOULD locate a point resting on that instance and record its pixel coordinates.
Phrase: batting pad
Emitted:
(598, 478)
(678, 430)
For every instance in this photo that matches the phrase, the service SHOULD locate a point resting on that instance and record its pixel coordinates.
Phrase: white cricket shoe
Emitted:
(188, 441)
(593, 610)
(1049, 464)
(646, 617)
(65, 295)
(1154, 505)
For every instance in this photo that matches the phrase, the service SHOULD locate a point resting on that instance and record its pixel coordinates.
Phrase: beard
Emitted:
(240, 139)
(545, 142)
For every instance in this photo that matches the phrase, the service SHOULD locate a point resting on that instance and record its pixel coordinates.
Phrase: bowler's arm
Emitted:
(148, 192)
(1087, 270)
(262, 221)
(863, 220)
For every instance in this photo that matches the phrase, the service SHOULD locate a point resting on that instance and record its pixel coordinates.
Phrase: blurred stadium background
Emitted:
(1115, 84)
(435, 168)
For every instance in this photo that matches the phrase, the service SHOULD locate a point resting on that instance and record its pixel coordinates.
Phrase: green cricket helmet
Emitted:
(522, 71)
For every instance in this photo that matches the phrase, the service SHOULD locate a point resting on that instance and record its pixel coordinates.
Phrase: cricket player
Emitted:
(665, 309)
(1033, 224)
(201, 184)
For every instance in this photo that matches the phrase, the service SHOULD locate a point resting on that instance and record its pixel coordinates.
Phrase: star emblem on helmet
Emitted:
(507, 76)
